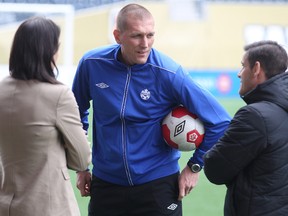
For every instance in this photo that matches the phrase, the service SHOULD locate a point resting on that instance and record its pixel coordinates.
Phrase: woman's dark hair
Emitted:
(272, 56)
(35, 43)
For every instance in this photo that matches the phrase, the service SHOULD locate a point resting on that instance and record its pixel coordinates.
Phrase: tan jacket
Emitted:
(40, 136)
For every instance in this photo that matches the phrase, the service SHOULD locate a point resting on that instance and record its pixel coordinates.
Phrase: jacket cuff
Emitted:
(197, 157)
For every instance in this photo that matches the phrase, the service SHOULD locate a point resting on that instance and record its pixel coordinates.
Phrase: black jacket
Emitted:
(252, 156)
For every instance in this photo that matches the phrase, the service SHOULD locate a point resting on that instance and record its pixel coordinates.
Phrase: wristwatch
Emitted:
(194, 167)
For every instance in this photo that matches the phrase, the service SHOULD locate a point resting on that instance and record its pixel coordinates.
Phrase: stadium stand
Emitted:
(78, 4)
(8, 17)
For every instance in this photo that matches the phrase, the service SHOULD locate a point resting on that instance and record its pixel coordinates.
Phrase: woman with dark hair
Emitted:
(41, 135)
(35, 45)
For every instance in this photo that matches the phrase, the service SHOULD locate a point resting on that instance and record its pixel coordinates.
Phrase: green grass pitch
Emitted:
(206, 199)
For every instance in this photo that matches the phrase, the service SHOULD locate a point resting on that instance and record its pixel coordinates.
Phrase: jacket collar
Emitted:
(274, 90)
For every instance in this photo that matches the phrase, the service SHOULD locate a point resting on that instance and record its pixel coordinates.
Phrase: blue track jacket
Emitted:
(129, 104)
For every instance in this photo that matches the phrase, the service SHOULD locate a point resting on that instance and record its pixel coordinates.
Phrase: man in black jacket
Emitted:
(251, 159)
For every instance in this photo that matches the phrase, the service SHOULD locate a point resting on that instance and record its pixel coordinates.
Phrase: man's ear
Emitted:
(258, 72)
(256, 68)
(116, 34)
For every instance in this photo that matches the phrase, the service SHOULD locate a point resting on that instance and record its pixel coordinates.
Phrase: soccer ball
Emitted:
(182, 130)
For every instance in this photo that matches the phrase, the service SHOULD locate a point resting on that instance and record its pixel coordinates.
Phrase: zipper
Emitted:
(123, 125)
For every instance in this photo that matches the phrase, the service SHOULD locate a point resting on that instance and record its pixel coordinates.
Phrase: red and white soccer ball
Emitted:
(182, 130)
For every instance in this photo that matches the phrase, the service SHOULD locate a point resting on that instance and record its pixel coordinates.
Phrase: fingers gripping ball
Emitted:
(182, 130)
